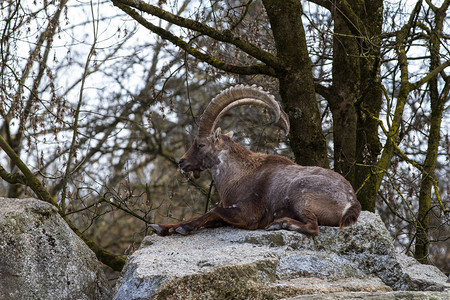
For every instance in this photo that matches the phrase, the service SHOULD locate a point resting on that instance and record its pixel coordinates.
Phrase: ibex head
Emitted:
(203, 154)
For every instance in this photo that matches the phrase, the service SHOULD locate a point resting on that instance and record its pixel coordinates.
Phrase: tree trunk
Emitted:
(368, 145)
(296, 82)
(423, 217)
(356, 95)
(345, 92)
(437, 110)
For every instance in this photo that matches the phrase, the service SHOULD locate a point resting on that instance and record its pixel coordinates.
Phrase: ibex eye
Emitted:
(201, 145)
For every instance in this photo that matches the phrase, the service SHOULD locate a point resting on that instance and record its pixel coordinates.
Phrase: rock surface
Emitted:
(41, 257)
(229, 263)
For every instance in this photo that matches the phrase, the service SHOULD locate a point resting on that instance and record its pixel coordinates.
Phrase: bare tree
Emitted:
(96, 114)
(363, 55)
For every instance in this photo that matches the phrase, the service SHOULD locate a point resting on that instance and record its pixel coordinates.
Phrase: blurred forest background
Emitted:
(99, 100)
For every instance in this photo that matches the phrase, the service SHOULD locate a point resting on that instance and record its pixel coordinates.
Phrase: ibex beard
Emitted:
(261, 191)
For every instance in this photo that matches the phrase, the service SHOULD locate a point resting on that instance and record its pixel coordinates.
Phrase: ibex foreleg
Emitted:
(216, 217)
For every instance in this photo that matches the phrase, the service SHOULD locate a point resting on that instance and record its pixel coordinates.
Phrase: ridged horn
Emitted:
(237, 96)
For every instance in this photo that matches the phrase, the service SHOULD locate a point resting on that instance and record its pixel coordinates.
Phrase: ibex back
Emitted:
(259, 190)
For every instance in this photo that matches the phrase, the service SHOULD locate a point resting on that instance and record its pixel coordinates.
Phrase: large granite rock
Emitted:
(41, 257)
(229, 263)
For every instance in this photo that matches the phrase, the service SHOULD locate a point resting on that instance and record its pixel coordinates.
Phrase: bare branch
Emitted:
(226, 36)
(430, 75)
(12, 178)
(114, 261)
(215, 62)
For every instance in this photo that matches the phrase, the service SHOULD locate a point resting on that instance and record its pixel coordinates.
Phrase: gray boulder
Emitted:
(230, 263)
(41, 257)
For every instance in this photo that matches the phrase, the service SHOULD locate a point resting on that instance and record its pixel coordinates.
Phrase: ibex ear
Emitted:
(229, 134)
(217, 134)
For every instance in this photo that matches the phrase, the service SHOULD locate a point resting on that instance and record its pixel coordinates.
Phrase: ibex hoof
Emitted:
(156, 228)
(181, 230)
(275, 226)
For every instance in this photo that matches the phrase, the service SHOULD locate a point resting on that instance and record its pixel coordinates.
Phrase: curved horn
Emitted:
(237, 96)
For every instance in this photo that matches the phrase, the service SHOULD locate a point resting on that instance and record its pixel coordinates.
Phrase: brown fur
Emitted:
(351, 216)
(265, 191)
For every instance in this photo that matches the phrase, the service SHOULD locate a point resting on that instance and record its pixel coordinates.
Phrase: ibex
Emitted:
(259, 190)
